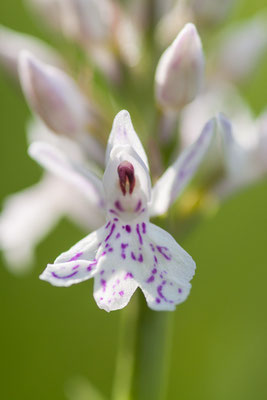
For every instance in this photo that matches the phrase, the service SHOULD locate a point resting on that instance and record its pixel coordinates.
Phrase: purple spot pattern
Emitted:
(78, 255)
(64, 276)
(157, 278)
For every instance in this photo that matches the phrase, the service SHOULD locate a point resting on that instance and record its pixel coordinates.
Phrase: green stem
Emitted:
(126, 352)
(143, 356)
(153, 343)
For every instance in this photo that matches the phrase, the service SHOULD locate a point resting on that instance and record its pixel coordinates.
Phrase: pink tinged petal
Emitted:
(172, 183)
(12, 42)
(76, 174)
(123, 134)
(168, 282)
(113, 291)
(180, 70)
(53, 95)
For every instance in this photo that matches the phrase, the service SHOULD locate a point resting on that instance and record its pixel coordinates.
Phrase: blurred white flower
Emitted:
(95, 24)
(129, 252)
(241, 49)
(28, 216)
(239, 145)
(180, 70)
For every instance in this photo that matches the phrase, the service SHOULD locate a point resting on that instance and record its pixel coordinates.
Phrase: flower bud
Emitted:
(180, 70)
(53, 95)
(11, 43)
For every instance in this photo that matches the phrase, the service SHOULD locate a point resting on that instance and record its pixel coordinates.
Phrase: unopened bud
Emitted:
(53, 95)
(180, 70)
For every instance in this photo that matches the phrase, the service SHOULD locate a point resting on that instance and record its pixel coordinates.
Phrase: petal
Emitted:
(83, 145)
(12, 42)
(75, 265)
(112, 291)
(240, 164)
(123, 133)
(27, 217)
(132, 201)
(70, 170)
(180, 70)
(174, 180)
(119, 258)
(53, 95)
(166, 282)
(141, 254)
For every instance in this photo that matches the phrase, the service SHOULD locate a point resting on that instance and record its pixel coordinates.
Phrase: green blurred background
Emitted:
(50, 335)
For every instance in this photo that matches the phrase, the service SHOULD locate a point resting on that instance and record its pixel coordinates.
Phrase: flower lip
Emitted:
(126, 177)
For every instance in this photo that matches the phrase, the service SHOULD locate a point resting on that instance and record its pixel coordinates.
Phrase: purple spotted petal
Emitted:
(113, 291)
(167, 282)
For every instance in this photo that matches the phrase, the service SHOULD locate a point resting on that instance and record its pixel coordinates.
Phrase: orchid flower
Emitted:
(128, 251)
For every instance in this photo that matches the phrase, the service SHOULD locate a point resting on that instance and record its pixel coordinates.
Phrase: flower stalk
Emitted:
(152, 349)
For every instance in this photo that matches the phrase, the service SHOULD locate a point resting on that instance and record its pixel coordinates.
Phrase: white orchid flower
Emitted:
(129, 251)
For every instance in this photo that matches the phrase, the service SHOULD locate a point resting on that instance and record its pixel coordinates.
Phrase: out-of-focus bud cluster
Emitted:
(93, 23)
